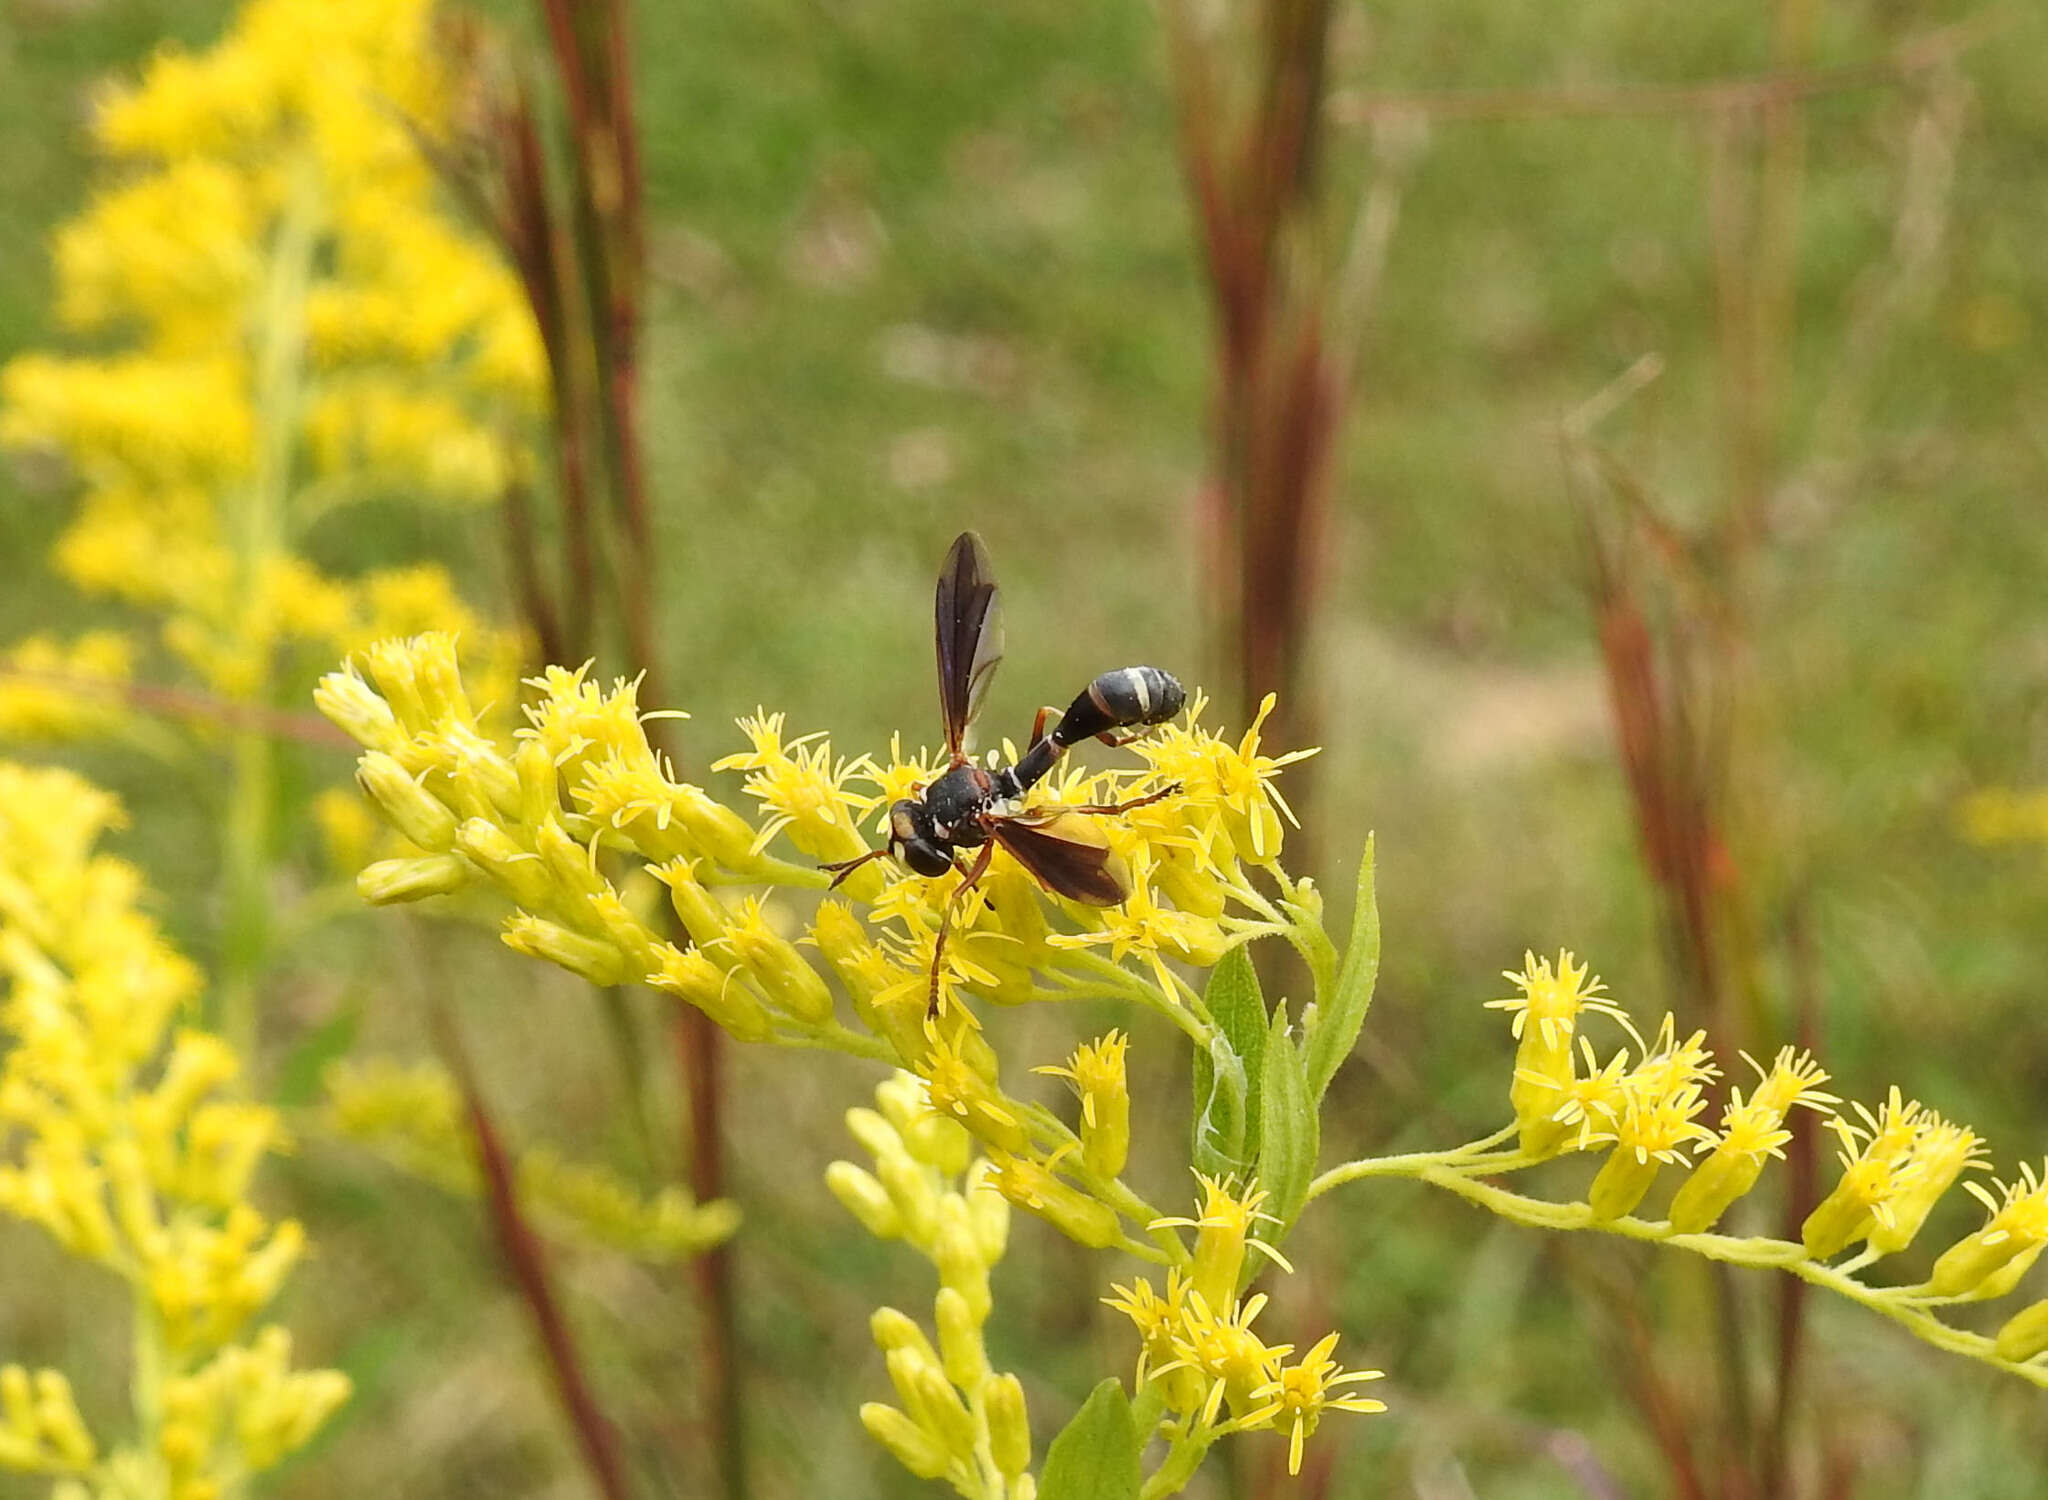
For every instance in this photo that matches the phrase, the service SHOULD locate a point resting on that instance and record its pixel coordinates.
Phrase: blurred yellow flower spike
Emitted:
(121, 1138)
(288, 321)
(411, 1115)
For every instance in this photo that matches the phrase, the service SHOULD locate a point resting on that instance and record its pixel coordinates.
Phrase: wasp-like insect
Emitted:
(967, 807)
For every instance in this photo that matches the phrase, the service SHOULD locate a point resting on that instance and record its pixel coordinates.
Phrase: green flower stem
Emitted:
(1415, 1163)
(280, 362)
(1894, 1303)
(1182, 1459)
(835, 1036)
(1121, 981)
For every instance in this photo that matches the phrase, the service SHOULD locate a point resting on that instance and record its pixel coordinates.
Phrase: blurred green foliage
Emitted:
(918, 266)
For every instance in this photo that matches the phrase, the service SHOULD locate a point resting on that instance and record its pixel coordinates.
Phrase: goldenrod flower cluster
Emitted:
(289, 322)
(121, 1136)
(1197, 1344)
(1897, 1162)
(562, 818)
(411, 1115)
(956, 1418)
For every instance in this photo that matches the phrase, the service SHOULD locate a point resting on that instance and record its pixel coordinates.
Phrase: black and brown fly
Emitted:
(967, 807)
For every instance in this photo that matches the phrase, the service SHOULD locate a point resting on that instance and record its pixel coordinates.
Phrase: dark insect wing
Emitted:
(1082, 872)
(967, 617)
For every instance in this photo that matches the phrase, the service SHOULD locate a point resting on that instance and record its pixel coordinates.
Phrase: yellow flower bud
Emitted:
(501, 856)
(725, 997)
(1966, 1265)
(945, 1412)
(957, 1253)
(1079, 1217)
(877, 1135)
(716, 829)
(964, 1356)
(895, 1330)
(349, 703)
(540, 784)
(988, 1211)
(1712, 1188)
(864, 1198)
(572, 866)
(638, 947)
(910, 1189)
(2008, 1276)
(702, 915)
(791, 985)
(913, 1447)
(390, 882)
(599, 962)
(2025, 1333)
(941, 1144)
(2018, 1227)
(1620, 1184)
(1009, 1425)
(413, 810)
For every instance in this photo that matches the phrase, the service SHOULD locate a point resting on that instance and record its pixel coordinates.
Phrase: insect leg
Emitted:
(845, 867)
(981, 864)
(1110, 809)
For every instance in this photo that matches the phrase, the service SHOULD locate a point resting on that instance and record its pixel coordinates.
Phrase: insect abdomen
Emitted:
(1122, 699)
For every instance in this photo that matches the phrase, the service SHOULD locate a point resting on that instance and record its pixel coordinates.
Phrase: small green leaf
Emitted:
(1220, 1088)
(1341, 1015)
(1292, 1135)
(1238, 1007)
(1095, 1457)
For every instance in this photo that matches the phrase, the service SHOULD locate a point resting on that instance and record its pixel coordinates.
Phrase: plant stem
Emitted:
(260, 531)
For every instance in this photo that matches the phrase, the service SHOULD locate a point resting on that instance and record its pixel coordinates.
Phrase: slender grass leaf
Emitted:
(1341, 1015)
(1095, 1457)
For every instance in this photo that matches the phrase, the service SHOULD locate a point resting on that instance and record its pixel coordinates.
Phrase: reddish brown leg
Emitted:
(981, 864)
(1110, 809)
(845, 867)
(1038, 724)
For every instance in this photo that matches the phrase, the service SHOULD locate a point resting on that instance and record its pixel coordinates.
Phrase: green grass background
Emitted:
(918, 266)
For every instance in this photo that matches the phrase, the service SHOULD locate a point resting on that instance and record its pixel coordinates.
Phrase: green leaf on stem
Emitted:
(1291, 1135)
(1095, 1457)
(1341, 1014)
(1228, 1075)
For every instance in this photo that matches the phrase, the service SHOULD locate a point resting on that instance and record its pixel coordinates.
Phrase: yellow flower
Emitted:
(1299, 1394)
(1873, 1159)
(124, 1140)
(2017, 1229)
(1234, 1362)
(802, 789)
(1155, 1317)
(1097, 1073)
(52, 690)
(1222, 1234)
(1233, 784)
(1546, 1017)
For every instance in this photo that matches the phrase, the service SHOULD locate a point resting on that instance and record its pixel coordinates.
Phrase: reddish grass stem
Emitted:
(526, 1264)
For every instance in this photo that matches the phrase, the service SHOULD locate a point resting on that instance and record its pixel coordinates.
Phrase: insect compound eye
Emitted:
(926, 858)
